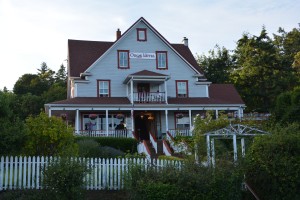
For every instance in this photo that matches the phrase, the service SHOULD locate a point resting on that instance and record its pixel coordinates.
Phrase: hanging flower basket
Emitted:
(179, 115)
(63, 116)
(92, 116)
(120, 116)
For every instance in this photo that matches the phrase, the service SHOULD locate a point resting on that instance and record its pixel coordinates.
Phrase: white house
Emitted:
(141, 80)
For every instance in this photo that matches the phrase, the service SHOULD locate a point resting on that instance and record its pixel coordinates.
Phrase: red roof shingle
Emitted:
(218, 94)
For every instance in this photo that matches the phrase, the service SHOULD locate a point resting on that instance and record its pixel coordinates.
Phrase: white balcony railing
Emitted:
(149, 97)
(180, 132)
(103, 133)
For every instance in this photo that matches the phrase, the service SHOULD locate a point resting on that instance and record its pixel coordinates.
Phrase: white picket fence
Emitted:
(26, 172)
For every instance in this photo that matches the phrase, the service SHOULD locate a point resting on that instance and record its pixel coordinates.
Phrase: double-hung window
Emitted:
(161, 60)
(123, 59)
(104, 88)
(182, 88)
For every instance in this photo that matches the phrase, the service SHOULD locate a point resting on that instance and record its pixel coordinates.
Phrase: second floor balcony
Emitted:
(148, 97)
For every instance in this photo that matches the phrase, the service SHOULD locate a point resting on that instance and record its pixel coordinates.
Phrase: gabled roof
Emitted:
(82, 54)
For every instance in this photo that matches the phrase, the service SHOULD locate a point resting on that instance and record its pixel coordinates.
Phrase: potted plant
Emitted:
(120, 116)
(179, 115)
(63, 116)
(92, 116)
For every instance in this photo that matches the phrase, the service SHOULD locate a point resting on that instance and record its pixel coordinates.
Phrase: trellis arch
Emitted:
(234, 132)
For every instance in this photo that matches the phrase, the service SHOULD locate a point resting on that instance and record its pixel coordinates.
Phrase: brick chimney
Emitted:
(185, 41)
(118, 33)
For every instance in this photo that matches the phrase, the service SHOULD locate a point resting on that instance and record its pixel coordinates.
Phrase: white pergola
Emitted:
(234, 132)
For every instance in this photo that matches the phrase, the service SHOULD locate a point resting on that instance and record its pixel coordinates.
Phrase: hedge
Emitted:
(123, 144)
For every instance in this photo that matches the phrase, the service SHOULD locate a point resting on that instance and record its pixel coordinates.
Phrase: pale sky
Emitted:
(36, 31)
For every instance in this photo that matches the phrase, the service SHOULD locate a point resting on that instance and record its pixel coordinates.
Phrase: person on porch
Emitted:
(120, 128)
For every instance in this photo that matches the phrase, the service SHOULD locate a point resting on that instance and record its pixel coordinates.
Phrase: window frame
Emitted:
(128, 63)
(157, 61)
(186, 88)
(185, 115)
(138, 30)
(98, 87)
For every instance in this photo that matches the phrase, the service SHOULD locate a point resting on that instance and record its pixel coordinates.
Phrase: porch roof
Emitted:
(94, 100)
(219, 94)
(146, 74)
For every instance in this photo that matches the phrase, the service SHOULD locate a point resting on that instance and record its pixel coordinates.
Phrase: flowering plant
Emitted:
(92, 116)
(120, 116)
(179, 115)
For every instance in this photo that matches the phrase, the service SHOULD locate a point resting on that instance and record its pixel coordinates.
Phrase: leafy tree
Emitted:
(49, 136)
(29, 105)
(287, 106)
(257, 74)
(217, 65)
(28, 83)
(272, 164)
(56, 92)
(11, 127)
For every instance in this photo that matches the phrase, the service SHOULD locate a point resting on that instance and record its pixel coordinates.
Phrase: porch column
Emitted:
(208, 150)
(132, 120)
(234, 148)
(243, 146)
(77, 122)
(190, 117)
(213, 161)
(166, 92)
(167, 123)
(131, 90)
(106, 118)
(49, 113)
(217, 113)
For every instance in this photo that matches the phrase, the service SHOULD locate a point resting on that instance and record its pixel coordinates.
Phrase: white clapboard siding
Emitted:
(26, 172)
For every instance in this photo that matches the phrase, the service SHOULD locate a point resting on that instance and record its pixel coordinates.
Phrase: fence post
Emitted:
(1, 172)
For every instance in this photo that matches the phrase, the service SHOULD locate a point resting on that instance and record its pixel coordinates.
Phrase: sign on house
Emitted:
(135, 55)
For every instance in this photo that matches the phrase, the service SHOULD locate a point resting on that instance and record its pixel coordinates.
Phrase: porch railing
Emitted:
(149, 97)
(127, 133)
(180, 132)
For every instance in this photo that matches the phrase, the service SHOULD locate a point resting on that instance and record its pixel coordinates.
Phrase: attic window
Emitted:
(141, 34)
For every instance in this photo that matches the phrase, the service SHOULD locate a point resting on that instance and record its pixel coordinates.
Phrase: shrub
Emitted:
(272, 167)
(64, 178)
(123, 144)
(49, 136)
(88, 147)
(191, 181)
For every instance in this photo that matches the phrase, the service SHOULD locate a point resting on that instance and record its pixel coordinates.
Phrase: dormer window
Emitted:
(161, 60)
(141, 34)
(182, 88)
(123, 59)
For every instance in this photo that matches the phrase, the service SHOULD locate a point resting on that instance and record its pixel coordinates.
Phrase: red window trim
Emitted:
(187, 88)
(138, 36)
(119, 67)
(165, 52)
(98, 87)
